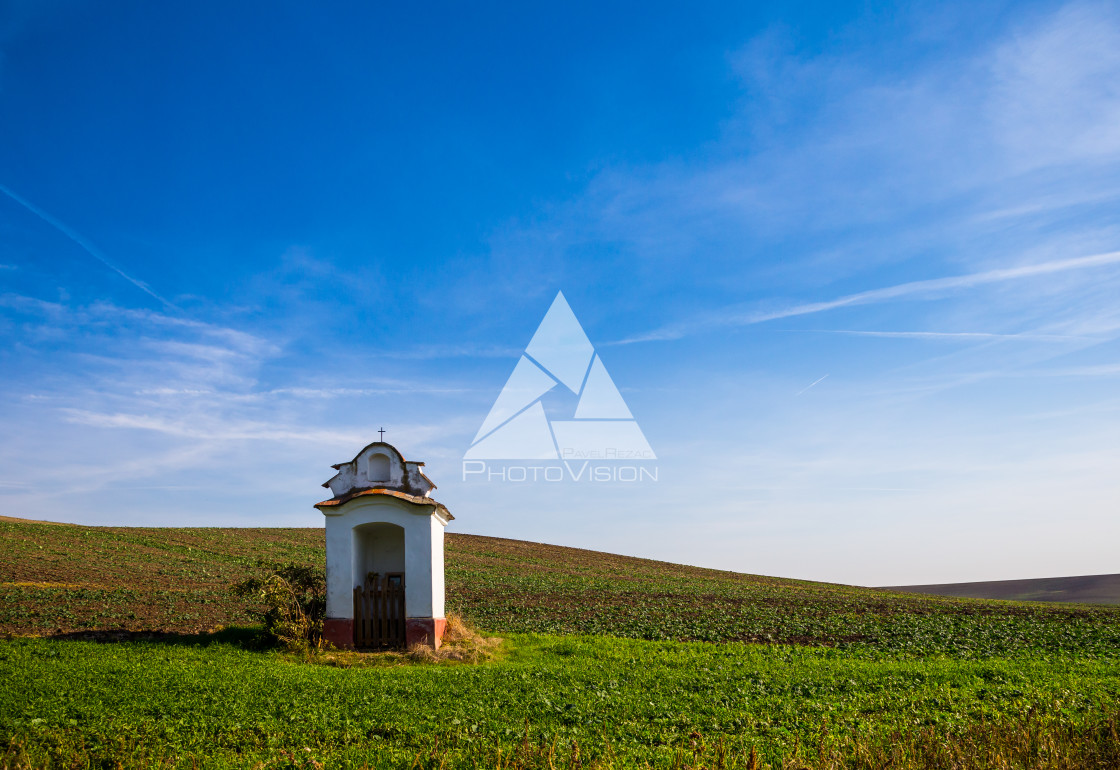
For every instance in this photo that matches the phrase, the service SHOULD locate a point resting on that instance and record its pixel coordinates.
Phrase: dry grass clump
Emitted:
(461, 643)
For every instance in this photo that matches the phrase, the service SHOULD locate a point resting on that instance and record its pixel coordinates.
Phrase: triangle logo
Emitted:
(559, 355)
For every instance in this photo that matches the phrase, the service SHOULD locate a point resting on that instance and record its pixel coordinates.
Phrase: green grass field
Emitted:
(113, 658)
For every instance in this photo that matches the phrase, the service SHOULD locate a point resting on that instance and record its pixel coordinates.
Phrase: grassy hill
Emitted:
(1082, 589)
(65, 578)
(608, 661)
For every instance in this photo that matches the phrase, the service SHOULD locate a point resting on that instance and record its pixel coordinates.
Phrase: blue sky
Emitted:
(855, 268)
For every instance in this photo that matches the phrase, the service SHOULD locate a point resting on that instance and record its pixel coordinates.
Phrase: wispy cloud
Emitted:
(836, 169)
(426, 352)
(388, 388)
(385, 388)
(1102, 370)
(1054, 98)
(1048, 203)
(143, 396)
(82, 241)
(23, 303)
(219, 429)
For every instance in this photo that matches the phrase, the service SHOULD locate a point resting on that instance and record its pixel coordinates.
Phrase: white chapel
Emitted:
(384, 537)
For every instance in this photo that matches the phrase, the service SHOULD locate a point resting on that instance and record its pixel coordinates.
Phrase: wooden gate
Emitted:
(379, 611)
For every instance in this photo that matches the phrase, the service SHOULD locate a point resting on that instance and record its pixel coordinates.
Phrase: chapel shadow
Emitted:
(252, 638)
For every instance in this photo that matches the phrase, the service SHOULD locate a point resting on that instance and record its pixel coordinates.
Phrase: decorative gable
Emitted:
(379, 466)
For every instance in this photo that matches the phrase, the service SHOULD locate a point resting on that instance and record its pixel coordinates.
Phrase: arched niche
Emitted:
(378, 468)
(378, 547)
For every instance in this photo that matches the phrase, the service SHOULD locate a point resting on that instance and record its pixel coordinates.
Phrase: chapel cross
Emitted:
(381, 431)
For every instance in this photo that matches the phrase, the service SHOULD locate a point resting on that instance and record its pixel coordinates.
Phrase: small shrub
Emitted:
(294, 597)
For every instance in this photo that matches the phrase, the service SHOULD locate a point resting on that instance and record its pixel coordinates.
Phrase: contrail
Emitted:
(811, 384)
(90, 249)
(930, 286)
(941, 284)
(1029, 337)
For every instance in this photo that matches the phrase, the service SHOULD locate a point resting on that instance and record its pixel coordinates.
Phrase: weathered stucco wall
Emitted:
(349, 558)
(436, 559)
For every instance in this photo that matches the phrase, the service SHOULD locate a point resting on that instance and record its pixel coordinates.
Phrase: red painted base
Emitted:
(428, 631)
(339, 632)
